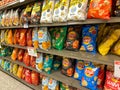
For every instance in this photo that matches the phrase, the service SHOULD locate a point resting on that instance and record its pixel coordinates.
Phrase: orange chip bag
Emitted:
(100, 9)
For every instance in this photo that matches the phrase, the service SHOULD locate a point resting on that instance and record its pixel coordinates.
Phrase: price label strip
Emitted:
(32, 51)
(117, 69)
(25, 25)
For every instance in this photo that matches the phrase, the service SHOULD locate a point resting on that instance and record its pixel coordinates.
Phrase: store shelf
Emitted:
(55, 75)
(22, 81)
(16, 3)
(107, 60)
(88, 21)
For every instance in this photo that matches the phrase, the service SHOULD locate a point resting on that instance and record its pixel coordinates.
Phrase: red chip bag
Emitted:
(28, 76)
(26, 59)
(100, 9)
(35, 78)
(111, 82)
(22, 40)
(32, 61)
(23, 73)
(21, 55)
(29, 37)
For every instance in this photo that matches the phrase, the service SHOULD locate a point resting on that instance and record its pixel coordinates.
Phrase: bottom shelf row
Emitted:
(103, 78)
(33, 79)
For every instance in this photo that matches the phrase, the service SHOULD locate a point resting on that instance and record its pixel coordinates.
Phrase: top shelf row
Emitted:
(56, 13)
(88, 21)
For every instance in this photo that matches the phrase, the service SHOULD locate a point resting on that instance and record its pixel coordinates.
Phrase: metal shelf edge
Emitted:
(107, 60)
(88, 21)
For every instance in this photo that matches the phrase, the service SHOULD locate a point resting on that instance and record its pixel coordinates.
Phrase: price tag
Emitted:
(22, 0)
(26, 25)
(32, 51)
(117, 69)
(0, 46)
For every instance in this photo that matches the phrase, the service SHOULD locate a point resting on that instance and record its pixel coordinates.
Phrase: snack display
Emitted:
(107, 43)
(116, 48)
(67, 66)
(45, 81)
(53, 84)
(79, 69)
(26, 17)
(44, 38)
(90, 76)
(57, 62)
(60, 11)
(77, 10)
(99, 9)
(89, 35)
(39, 62)
(58, 36)
(47, 11)
(111, 83)
(48, 61)
(73, 38)
(117, 9)
(35, 14)
(35, 37)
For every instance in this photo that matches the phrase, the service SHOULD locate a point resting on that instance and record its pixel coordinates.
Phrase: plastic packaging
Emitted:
(77, 10)
(60, 11)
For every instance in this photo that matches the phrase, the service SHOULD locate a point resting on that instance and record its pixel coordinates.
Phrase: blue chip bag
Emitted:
(90, 76)
(89, 34)
(79, 69)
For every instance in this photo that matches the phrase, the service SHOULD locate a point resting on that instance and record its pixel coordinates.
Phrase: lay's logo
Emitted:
(89, 72)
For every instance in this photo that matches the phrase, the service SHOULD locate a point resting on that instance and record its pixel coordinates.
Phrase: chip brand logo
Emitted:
(89, 72)
(40, 34)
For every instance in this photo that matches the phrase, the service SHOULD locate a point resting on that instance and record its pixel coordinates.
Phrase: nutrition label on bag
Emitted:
(32, 51)
(117, 69)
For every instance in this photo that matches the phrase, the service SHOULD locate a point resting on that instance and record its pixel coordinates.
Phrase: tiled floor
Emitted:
(9, 83)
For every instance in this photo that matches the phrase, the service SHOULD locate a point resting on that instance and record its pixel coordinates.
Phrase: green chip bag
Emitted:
(58, 36)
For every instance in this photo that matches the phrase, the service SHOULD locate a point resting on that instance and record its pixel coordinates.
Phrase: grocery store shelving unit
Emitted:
(107, 60)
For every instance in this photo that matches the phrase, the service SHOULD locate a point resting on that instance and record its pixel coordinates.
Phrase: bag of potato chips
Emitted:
(44, 38)
(39, 62)
(47, 11)
(90, 76)
(111, 82)
(116, 48)
(89, 35)
(77, 10)
(79, 69)
(60, 10)
(45, 81)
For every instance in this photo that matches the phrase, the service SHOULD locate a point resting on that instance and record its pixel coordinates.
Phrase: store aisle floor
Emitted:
(9, 83)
